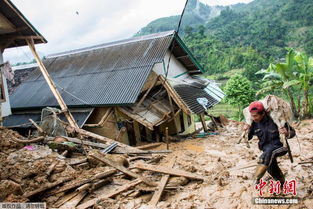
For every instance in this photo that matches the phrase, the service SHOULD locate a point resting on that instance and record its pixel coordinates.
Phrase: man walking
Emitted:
(269, 142)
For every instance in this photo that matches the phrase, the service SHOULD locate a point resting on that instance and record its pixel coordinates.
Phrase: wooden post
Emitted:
(205, 128)
(173, 113)
(51, 84)
(166, 138)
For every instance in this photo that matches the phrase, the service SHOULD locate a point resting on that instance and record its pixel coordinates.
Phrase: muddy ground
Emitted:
(218, 158)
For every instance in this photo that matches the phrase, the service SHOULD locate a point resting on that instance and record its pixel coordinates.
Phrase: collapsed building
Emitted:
(14, 29)
(144, 84)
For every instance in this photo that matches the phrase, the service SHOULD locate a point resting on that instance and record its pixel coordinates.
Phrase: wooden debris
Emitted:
(308, 162)
(72, 203)
(77, 161)
(65, 199)
(149, 146)
(102, 121)
(77, 184)
(37, 126)
(99, 184)
(144, 152)
(166, 138)
(45, 187)
(25, 141)
(166, 170)
(111, 194)
(84, 142)
(122, 147)
(157, 194)
(123, 170)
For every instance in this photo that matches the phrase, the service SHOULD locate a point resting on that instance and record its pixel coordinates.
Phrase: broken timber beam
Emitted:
(144, 152)
(102, 121)
(123, 170)
(205, 128)
(45, 187)
(37, 126)
(107, 141)
(166, 170)
(77, 184)
(174, 95)
(84, 142)
(51, 84)
(157, 194)
(37, 139)
(111, 194)
(148, 146)
(146, 94)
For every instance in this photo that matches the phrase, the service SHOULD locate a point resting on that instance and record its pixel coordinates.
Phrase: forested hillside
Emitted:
(245, 37)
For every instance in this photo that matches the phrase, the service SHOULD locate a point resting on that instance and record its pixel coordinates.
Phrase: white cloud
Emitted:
(70, 24)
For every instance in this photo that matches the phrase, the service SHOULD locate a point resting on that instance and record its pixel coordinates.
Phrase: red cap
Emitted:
(256, 107)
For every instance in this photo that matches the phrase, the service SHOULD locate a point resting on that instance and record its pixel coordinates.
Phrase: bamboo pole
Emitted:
(51, 84)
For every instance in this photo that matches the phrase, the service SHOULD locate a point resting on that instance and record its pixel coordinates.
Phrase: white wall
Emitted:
(5, 106)
(175, 68)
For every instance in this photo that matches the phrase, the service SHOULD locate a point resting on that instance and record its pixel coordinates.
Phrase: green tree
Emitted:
(239, 92)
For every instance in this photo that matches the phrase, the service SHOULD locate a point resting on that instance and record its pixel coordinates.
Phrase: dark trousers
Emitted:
(268, 157)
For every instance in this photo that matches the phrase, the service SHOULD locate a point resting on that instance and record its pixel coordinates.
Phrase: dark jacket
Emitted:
(267, 132)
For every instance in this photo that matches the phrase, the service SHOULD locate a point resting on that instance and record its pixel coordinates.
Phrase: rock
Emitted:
(177, 181)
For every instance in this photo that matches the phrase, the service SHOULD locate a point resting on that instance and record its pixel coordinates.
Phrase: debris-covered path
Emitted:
(218, 159)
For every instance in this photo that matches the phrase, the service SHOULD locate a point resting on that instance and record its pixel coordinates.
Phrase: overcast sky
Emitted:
(72, 24)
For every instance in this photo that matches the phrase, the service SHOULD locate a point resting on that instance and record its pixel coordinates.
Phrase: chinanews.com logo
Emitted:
(275, 188)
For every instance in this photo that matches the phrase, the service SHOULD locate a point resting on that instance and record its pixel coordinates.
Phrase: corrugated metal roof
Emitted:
(22, 120)
(110, 74)
(191, 90)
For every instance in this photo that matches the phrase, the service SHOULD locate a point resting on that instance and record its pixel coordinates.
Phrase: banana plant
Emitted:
(282, 75)
(304, 75)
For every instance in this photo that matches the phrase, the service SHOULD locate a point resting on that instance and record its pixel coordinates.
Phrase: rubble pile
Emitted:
(210, 172)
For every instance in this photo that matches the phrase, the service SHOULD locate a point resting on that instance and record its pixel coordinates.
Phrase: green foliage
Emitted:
(291, 76)
(239, 92)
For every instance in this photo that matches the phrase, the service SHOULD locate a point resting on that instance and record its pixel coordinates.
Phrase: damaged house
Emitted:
(144, 84)
(14, 29)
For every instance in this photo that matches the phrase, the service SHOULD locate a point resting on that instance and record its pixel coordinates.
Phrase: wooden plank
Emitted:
(137, 118)
(145, 152)
(102, 121)
(37, 126)
(166, 170)
(51, 85)
(45, 187)
(157, 194)
(65, 199)
(110, 194)
(93, 144)
(166, 138)
(123, 170)
(74, 201)
(205, 128)
(122, 147)
(148, 146)
(146, 94)
(85, 181)
(174, 95)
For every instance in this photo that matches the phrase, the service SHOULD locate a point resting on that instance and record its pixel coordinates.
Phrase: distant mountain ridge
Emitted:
(245, 37)
(196, 14)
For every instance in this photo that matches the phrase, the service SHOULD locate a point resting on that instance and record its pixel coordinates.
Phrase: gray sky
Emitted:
(97, 21)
